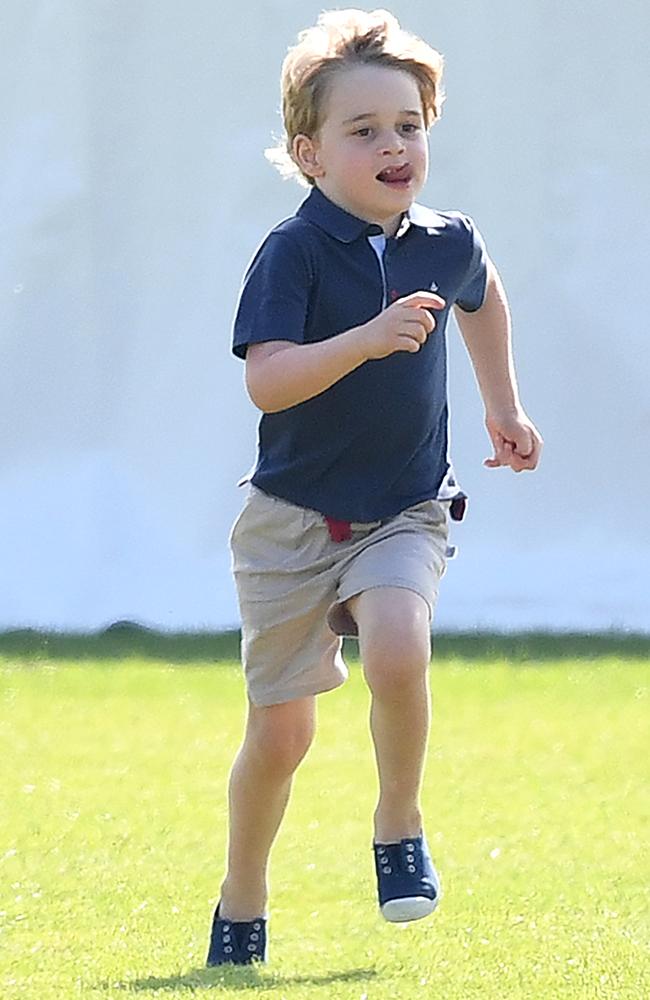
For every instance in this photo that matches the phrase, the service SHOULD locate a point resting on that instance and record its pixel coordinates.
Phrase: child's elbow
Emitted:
(260, 392)
(265, 378)
(258, 397)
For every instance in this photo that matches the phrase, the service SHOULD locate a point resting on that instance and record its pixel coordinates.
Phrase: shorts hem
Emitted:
(268, 698)
(400, 584)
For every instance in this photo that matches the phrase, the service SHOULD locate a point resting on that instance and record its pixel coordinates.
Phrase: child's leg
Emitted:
(276, 740)
(395, 647)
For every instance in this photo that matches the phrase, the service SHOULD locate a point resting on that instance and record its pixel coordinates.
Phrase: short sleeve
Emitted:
(472, 291)
(274, 297)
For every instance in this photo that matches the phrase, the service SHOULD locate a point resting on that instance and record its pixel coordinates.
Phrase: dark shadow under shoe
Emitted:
(407, 883)
(236, 942)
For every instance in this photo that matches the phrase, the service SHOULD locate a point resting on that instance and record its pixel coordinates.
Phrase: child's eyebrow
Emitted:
(373, 114)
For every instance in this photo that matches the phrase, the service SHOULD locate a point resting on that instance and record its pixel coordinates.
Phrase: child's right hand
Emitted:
(403, 326)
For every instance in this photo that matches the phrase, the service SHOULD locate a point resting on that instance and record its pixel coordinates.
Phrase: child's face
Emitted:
(370, 155)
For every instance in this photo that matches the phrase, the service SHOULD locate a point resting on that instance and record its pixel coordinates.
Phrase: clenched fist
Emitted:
(403, 326)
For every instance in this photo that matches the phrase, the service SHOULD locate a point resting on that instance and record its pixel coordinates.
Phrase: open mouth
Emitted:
(396, 176)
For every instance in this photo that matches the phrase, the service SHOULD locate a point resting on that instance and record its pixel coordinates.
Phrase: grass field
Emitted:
(114, 758)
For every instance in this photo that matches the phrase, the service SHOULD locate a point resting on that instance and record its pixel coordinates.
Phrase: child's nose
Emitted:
(391, 143)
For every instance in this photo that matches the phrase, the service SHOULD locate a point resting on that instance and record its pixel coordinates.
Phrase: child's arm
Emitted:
(280, 374)
(486, 332)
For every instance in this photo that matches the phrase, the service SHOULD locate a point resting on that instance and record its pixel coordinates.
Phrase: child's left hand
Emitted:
(516, 441)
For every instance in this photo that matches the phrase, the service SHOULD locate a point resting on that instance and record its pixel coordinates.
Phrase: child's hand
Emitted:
(403, 326)
(517, 442)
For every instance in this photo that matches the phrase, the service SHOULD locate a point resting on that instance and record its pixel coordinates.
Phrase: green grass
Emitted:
(113, 764)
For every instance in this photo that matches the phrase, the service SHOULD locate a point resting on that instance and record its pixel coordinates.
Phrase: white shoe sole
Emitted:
(401, 911)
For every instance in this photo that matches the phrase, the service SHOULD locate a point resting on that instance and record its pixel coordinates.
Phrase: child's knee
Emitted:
(393, 668)
(395, 641)
(396, 658)
(282, 734)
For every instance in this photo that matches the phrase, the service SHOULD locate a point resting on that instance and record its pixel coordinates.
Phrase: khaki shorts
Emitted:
(293, 580)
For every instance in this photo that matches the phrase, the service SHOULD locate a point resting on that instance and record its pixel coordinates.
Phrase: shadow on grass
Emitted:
(124, 640)
(236, 978)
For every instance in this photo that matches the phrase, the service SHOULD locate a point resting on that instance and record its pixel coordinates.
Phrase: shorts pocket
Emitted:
(430, 512)
(266, 535)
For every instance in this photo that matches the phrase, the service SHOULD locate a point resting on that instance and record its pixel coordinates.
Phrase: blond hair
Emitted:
(341, 39)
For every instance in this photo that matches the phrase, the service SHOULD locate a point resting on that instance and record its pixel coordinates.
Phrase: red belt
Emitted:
(341, 531)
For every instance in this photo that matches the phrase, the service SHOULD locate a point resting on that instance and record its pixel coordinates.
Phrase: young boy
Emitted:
(341, 322)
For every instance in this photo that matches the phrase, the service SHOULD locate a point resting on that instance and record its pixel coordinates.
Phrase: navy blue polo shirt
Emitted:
(375, 442)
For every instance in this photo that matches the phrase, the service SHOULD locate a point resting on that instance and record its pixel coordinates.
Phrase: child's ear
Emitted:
(305, 153)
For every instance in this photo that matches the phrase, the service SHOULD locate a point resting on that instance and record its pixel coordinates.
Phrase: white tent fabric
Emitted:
(133, 191)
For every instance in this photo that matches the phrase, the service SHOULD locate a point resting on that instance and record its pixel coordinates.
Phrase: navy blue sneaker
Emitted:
(407, 882)
(238, 942)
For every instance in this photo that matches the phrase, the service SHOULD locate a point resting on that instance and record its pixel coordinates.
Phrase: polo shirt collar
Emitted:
(424, 218)
(344, 226)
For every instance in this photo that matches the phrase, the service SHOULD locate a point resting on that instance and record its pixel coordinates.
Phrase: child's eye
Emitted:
(363, 132)
(410, 127)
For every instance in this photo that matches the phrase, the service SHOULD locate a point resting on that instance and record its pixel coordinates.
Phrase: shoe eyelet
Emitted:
(252, 947)
(256, 926)
(227, 949)
(226, 928)
(411, 868)
(387, 870)
(410, 847)
(254, 936)
(410, 857)
(226, 938)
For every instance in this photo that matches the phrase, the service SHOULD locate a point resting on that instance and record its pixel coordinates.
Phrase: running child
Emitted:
(341, 322)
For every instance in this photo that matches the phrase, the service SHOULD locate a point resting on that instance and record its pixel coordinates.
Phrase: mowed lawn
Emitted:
(113, 767)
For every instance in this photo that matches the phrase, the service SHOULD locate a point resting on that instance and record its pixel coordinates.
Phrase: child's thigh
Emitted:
(397, 574)
(286, 584)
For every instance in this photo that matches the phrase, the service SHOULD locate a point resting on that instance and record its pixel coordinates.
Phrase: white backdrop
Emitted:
(133, 190)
